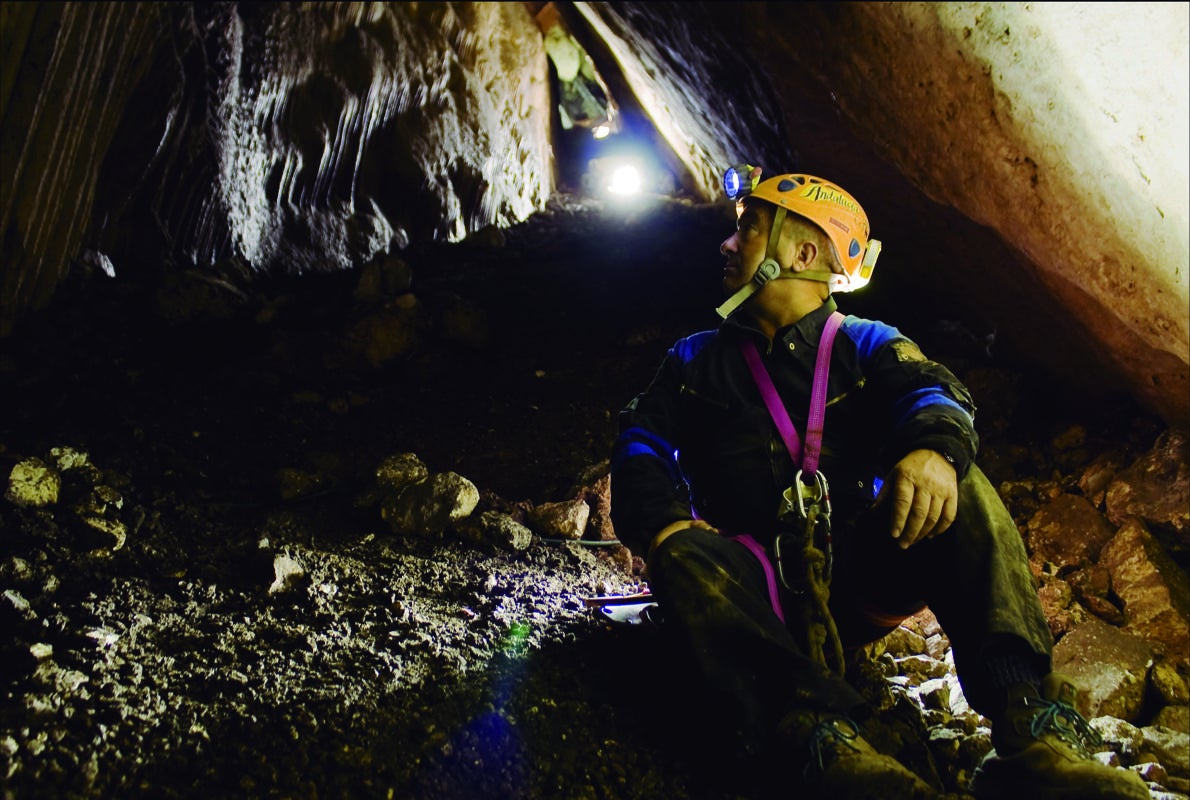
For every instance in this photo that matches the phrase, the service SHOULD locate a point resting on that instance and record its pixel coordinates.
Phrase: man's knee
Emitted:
(682, 549)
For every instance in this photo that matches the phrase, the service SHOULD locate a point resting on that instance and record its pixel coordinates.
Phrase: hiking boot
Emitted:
(1043, 749)
(843, 766)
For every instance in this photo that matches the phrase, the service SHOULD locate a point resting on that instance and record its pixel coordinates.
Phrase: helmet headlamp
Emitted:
(740, 180)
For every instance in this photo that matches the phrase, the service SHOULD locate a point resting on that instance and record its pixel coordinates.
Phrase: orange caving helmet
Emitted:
(825, 204)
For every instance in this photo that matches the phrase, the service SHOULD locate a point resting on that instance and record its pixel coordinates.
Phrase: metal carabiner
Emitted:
(780, 559)
(817, 493)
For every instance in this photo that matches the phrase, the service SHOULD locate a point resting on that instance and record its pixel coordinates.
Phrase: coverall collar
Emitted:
(807, 330)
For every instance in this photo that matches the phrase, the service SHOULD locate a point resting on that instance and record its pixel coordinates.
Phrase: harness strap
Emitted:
(819, 626)
(814, 423)
(822, 368)
(769, 575)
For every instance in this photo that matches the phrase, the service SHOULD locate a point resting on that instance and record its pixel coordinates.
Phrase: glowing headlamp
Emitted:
(740, 180)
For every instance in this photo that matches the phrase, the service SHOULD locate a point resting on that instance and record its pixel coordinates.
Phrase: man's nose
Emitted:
(728, 245)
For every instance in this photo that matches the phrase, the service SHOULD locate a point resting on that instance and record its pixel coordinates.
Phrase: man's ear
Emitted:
(804, 255)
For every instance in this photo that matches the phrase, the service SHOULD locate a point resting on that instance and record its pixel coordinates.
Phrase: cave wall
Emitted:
(1024, 118)
(262, 137)
(68, 70)
(1025, 164)
(1068, 170)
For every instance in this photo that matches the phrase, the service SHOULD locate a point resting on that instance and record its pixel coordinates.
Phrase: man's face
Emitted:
(745, 248)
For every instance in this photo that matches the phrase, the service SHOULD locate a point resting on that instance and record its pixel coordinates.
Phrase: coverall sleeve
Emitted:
(648, 491)
(929, 407)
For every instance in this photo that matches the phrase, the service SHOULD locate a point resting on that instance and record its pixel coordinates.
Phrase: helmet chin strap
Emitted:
(769, 270)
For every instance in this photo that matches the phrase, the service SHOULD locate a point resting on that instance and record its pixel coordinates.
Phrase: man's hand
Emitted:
(924, 491)
(672, 528)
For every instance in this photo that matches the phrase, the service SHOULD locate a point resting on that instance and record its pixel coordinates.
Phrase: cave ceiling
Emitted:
(1020, 179)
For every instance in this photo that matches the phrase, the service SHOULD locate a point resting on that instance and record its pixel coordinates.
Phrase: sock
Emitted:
(1007, 671)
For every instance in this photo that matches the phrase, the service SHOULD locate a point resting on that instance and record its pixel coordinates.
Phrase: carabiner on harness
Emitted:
(809, 506)
(816, 493)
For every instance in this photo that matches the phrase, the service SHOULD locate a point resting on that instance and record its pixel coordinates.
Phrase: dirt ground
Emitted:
(185, 663)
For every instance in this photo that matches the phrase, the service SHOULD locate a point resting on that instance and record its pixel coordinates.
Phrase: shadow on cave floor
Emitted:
(393, 669)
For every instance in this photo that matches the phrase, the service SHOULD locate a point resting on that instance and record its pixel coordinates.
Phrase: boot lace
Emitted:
(1064, 720)
(826, 736)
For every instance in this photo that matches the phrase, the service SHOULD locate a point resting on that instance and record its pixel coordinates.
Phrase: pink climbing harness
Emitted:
(811, 498)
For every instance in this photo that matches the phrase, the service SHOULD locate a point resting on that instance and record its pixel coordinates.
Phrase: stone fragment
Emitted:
(1068, 531)
(1061, 610)
(935, 694)
(97, 507)
(1109, 666)
(1092, 586)
(1175, 718)
(922, 667)
(19, 602)
(566, 519)
(1098, 476)
(936, 645)
(594, 488)
(904, 642)
(113, 528)
(945, 743)
(1169, 686)
(427, 508)
(398, 471)
(67, 458)
(496, 529)
(1153, 588)
(1155, 488)
(288, 573)
(33, 484)
(1152, 772)
(1168, 747)
(1122, 738)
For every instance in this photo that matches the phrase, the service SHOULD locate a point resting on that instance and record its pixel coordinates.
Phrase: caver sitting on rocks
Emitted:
(799, 482)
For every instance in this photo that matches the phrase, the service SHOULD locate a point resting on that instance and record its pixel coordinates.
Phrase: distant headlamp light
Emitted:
(740, 180)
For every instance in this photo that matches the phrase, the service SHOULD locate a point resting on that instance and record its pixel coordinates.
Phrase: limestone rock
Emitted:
(594, 488)
(1122, 738)
(1156, 488)
(1169, 747)
(496, 529)
(1068, 531)
(1154, 590)
(33, 484)
(1098, 475)
(566, 519)
(1175, 718)
(1109, 667)
(288, 573)
(427, 508)
(398, 471)
(1062, 611)
(1168, 685)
